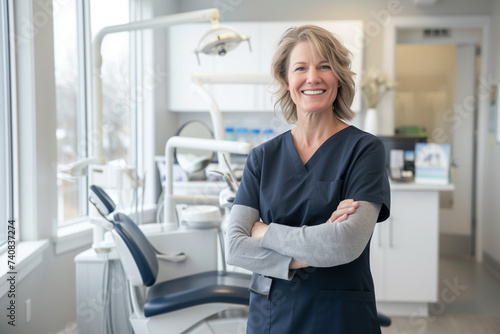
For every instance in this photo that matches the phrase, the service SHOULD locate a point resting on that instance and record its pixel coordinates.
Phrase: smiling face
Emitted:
(312, 84)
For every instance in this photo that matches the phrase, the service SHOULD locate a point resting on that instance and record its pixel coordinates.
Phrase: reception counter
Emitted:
(405, 251)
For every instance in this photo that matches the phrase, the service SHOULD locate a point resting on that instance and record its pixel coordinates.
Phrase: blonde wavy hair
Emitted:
(328, 47)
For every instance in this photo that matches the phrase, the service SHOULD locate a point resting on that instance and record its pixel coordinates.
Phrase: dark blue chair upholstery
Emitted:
(183, 292)
(141, 249)
(207, 287)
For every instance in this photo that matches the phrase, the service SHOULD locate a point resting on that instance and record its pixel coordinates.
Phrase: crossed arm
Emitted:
(277, 250)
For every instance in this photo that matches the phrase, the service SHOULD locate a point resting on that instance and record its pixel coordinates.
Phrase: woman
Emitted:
(311, 267)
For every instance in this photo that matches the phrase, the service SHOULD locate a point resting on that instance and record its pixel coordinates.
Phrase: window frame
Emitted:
(84, 98)
(7, 90)
(85, 90)
(84, 102)
(76, 232)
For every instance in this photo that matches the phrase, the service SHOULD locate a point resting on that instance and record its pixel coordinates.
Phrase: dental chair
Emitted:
(207, 302)
(203, 303)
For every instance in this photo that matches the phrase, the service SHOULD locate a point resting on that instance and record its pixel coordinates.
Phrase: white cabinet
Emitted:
(239, 97)
(183, 39)
(404, 249)
(271, 33)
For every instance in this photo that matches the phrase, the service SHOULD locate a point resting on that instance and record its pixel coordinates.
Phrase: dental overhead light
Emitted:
(222, 39)
(219, 40)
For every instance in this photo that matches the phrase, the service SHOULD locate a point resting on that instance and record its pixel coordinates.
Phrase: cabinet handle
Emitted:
(258, 95)
(391, 233)
(379, 233)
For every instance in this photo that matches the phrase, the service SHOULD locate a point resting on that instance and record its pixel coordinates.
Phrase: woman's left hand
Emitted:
(258, 230)
(345, 208)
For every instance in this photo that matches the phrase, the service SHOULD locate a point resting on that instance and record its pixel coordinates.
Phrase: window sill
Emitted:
(80, 235)
(29, 255)
(73, 237)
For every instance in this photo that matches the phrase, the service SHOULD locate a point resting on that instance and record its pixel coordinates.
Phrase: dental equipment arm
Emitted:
(159, 22)
(96, 149)
(226, 179)
(199, 79)
(78, 168)
(170, 199)
(231, 173)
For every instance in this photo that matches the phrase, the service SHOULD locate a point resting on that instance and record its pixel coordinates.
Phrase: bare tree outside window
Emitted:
(72, 71)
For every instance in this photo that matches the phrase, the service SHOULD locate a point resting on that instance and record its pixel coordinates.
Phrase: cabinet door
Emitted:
(239, 97)
(271, 33)
(411, 257)
(183, 40)
(377, 260)
(350, 33)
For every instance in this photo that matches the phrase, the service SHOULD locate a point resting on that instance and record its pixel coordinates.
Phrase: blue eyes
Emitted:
(322, 67)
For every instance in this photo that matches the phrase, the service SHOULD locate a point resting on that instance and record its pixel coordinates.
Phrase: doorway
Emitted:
(435, 97)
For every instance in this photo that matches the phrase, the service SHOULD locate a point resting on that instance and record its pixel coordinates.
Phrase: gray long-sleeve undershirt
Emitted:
(245, 252)
(324, 245)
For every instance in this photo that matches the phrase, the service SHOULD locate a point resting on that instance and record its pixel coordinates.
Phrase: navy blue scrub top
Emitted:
(350, 164)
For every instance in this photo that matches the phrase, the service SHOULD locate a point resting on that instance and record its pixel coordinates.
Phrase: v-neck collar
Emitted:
(317, 155)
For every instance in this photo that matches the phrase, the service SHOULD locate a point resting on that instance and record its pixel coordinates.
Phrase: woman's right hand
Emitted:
(294, 264)
(345, 208)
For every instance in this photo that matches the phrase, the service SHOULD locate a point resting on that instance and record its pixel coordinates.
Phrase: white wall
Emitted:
(52, 291)
(491, 209)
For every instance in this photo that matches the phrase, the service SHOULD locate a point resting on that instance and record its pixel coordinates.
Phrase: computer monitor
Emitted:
(403, 143)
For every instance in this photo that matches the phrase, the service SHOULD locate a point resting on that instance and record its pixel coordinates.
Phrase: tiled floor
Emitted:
(469, 302)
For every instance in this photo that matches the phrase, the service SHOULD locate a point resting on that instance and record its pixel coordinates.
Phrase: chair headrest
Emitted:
(138, 246)
(101, 200)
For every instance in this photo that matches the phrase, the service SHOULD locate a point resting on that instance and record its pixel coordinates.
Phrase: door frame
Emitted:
(387, 104)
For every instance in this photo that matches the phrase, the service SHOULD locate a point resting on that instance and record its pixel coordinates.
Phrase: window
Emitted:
(72, 42)
(6, 134)
(118, 83)
(71, 104)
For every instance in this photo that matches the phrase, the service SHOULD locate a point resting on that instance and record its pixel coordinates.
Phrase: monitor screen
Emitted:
(404, 143)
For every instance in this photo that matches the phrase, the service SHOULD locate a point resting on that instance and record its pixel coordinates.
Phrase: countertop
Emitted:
(213, 188)
(411, 186)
